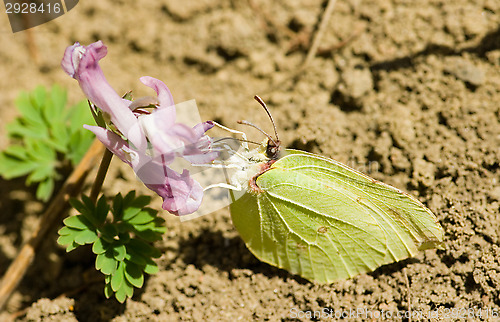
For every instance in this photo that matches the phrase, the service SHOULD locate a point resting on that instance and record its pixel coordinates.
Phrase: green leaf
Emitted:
(129, 198)
(71, 246)
(140, 201)
(109, 232)
(56, 103)
(108, 291)
(130, 213)
(80, 139)
(141, 247)
(89, 204)
(45, 189)
(28, 110)
(151, 231)
(100, 246)
(98, 118)
(36, 148)
(128, 96)
(122, 259)
(118, 277)
(40, 133)
(148, 235)
(65, 240)
(40, 173)
(119, 284)
(71, 237)
(129, 288)
(79, 222)
(12, 167)
(141, 218)
(102, 210)
(96, 215)
(151, 268)
(78, 115)
(38, 97)
(134, 275)
(133, 206)
(121, 295)
(65, 231)
(16, 151)
(35, 131)
(136, 257)
(60, 138)
(119, 252)
(79, 142)
(124, 228)
(78, 205)
(124, 236)
(117, 208)
(86, 237)
(106, 263)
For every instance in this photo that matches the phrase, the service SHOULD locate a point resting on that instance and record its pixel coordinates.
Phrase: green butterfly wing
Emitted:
(324, 221)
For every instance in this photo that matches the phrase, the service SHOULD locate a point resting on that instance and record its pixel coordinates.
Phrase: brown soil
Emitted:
(410, 86)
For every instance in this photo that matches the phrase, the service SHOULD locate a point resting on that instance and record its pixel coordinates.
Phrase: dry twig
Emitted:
(314, 47)
(50, 217)
(319, 34)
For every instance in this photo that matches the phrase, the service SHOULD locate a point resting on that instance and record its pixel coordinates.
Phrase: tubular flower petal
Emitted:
(147, 141)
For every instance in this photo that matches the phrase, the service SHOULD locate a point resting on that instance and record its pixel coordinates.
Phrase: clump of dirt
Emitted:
(406, 91)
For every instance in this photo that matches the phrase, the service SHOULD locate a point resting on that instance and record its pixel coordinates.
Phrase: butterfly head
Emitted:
(272, 145)
(273, 149)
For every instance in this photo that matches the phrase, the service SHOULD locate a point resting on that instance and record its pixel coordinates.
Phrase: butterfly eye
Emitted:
(272, 150)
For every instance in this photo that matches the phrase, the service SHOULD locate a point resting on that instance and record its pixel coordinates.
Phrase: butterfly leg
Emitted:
(244, 143)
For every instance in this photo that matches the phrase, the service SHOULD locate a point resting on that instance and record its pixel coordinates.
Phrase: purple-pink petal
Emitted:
(181, 194)
(112, 142)
(82, 63)
(164, 95)
(70, 60)
(202, 127)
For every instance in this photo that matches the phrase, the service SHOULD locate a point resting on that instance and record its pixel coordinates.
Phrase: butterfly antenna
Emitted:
(261, 102)
(240, 140)
(258, 128)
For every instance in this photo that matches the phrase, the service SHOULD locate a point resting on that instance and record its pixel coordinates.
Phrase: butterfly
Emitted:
(322, 220)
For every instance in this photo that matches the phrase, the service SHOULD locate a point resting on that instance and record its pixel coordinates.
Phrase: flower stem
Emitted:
(101, 174)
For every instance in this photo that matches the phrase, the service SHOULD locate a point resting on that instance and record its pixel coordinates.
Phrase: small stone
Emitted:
(465, 71)
(398, 159)
(358, 81)
(494, 193)
(424, 172)
(59, 309)
(494, 57)
(401, 126)
(355, 83)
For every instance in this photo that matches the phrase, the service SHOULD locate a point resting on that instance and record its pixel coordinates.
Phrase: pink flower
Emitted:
(147, 141)
(82, 63)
